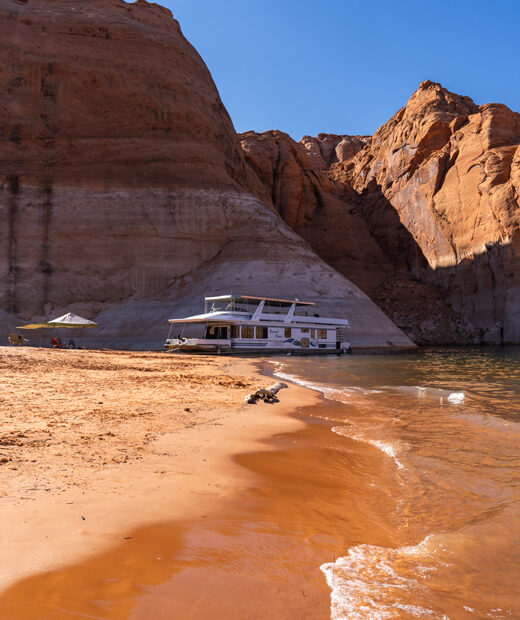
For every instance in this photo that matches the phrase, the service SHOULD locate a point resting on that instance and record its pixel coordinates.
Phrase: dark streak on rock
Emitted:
(12, 216)
(44, 264)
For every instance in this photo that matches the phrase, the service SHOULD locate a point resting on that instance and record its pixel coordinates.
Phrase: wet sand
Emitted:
(256, 555)
(95, 444)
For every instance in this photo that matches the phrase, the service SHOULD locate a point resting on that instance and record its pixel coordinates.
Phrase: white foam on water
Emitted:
(421, 391)
(329, 392)
(366, 583)
(343, 395)
(332, 393)
(456, 398)
(391, 450)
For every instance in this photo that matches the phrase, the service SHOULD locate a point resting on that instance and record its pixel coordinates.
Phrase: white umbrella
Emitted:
(71, 320)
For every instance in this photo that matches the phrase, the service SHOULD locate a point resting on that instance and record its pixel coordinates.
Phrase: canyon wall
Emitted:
(451, 171)
(362, 238)
(423, 216)
(125, 194)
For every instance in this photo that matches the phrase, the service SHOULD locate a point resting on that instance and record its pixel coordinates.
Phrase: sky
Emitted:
(339, 66)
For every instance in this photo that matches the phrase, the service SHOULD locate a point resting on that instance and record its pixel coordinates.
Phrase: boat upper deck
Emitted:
(238, 309)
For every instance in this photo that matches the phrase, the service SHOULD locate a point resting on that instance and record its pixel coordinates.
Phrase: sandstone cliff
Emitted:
(360, 237)
(423, 217)
(124, 191)
(451, 171)
(326, 148)
(324, 212)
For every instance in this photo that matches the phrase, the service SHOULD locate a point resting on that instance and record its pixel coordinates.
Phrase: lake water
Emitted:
(448, 422)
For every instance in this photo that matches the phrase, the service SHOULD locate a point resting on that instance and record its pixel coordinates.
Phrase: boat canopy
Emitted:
(248, 299)
(209, 316)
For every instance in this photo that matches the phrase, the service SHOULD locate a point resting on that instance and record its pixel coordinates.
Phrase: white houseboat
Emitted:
(244, 324)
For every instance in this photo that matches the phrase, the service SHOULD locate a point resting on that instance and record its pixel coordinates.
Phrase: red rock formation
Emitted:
(363, 239)
(327, 148)
(97, 102)
(123, 186)
(325, 213)
(450, 169)
(430, 203)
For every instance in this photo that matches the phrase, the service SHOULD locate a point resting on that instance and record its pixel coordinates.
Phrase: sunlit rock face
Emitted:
(124, 191)
(451, 170)
(326, 148)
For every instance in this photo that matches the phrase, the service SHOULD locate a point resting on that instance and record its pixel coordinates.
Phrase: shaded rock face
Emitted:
(124, 190)
(324, 212)
(97, 104)
(451, 171)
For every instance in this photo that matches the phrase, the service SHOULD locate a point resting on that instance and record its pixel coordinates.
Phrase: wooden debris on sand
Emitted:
(267, 394)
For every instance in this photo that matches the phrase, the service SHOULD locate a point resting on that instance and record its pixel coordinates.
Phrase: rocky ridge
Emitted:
(451, 171)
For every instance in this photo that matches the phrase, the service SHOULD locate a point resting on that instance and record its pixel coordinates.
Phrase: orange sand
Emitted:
(94, 444)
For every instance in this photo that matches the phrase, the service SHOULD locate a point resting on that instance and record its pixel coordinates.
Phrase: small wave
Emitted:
(389, 449)
(332, 393)
(366, 583)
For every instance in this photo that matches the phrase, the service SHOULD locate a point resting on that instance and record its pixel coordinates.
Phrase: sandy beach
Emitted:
(94, 444)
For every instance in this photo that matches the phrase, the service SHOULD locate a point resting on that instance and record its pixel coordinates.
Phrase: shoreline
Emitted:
(177, 475)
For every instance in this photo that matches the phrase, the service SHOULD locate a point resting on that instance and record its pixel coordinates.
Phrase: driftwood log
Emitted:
(268, 394)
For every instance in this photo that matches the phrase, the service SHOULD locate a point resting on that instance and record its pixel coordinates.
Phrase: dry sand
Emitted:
(96, 443)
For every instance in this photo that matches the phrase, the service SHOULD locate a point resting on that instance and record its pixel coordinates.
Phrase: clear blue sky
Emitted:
(340, 66)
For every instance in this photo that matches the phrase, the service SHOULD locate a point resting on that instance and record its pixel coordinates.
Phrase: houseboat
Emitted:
(244, 324)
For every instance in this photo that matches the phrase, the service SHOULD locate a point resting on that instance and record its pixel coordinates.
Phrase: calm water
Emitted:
(448, 422)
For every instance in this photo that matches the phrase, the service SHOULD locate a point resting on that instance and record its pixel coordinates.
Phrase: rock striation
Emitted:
(124, 190)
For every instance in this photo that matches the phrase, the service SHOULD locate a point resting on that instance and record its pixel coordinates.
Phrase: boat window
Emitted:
(248, 331)
(235, 331)
(322, 334)
(214, 332)
(287, 332)
(305, 343)
(305, 330)
(261, 332)
(313, 333)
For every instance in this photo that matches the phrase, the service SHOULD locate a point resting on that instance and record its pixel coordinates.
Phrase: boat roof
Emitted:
(201, 318)
(235, 318)
(247, 298)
